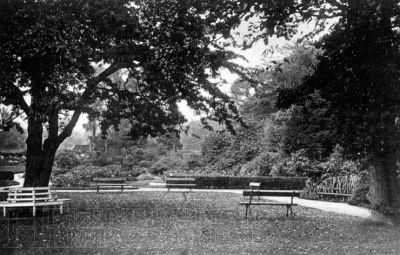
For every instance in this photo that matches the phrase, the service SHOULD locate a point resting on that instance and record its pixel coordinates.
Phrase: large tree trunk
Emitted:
(384, 188)
(40, 156)
(384, 192)
(34, 153)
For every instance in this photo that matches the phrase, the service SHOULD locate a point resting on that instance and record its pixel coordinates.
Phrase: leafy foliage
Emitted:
(82, 176)
(63, 54)
(67, 159)
(12, 140)
(225, 153)
(164, 165)
(307, 127)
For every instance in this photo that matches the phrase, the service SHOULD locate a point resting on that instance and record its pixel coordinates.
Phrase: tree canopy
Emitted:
(58, 56)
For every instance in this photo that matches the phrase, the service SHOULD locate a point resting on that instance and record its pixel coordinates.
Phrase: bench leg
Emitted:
(184, 196)
(247, 208)
(61, 209)
(4, 212)
(289, 208)
(122, 188)
(34, 211)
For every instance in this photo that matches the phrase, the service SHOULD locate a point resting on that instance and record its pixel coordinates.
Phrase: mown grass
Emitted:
(207, 223)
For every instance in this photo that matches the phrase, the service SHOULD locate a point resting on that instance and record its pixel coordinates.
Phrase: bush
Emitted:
(296, 165)
(260, 165)
(145, 177)
(193, 164)
(164, 165)
(83, 175)
(223, 152)
(67, 159)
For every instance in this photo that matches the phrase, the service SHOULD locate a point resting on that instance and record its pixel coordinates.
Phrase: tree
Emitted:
(168, 49)
(309, 126)
(358, 75)
(266, 85)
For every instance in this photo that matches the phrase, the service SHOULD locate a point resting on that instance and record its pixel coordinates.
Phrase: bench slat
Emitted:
(30, 199)
(28, 188)
(180, 181)
(180, 185)
(274, 193)
(112, 184)
(31, 194)
(112, 180)
(264, 203)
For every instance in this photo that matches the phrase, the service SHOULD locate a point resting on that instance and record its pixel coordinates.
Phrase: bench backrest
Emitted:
(110, 180)
(180, 180)
(272, 193)
(32, 195)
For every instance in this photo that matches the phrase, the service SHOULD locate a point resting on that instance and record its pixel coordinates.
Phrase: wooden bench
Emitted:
(256, 192)
(33, 197)
(181, 183)
(111, 182)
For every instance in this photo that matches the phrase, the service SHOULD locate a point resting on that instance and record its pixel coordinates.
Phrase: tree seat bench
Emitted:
(256, 192)
(33, 197)
(111, 182)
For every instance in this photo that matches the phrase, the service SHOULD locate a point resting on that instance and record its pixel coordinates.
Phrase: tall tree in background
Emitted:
(169, 49)
(359, 75)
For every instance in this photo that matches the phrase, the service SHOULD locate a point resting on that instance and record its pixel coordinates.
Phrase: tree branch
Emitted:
(15, 97)
(91, 86)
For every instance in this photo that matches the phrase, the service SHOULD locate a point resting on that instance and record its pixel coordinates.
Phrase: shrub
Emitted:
(296, 165)
(192, 164)
(260, 165)
(145, 176)
(67, 159)
(83, 175)
(164, 165)
(213, 145)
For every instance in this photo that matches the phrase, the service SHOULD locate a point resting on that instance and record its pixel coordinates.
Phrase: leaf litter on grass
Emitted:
(209, 223)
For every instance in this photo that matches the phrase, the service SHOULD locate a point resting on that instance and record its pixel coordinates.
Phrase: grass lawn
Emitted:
(207, 223)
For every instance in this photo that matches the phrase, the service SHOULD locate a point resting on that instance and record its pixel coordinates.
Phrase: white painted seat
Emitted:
(33, 197)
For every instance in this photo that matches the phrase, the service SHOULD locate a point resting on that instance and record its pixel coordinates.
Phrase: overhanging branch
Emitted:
(16, 97)
(90, 88)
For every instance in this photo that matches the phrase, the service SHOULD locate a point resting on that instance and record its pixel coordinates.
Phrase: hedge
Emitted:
(242, 182)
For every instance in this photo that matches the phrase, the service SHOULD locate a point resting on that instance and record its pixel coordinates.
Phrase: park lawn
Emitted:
(207, 223)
